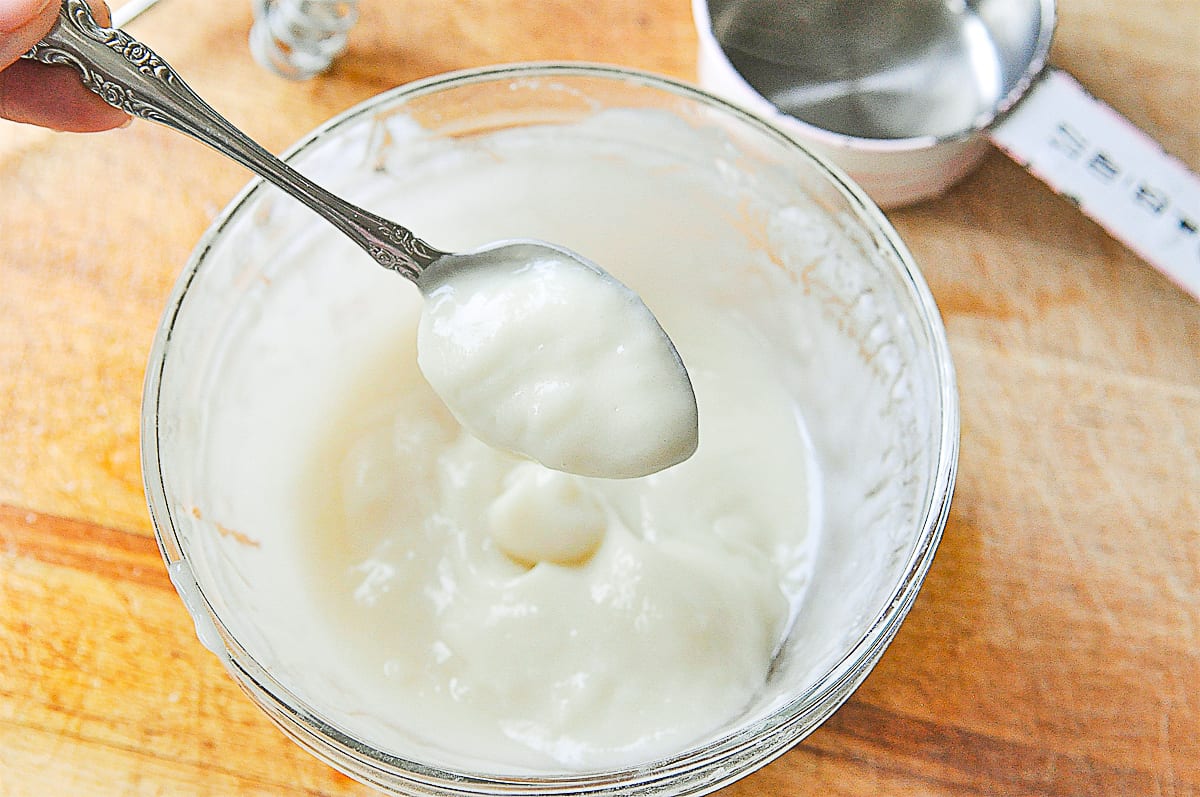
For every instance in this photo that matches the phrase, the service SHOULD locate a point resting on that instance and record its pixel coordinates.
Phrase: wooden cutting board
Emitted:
(1055, 648)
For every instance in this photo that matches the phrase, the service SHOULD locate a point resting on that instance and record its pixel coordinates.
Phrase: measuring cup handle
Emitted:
(1115, 173)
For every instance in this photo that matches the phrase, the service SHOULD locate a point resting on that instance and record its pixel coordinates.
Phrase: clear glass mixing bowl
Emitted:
(863, 289)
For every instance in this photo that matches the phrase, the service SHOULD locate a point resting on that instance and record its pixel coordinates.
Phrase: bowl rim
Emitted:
(752, 745)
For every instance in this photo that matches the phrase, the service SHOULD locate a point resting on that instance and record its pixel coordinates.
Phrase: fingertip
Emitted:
(17, 15)
(23, 23)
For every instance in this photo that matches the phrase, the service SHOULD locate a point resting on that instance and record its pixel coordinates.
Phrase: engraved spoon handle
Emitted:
(129, 75)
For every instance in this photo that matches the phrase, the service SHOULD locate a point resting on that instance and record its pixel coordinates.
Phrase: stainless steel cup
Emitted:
(907, 96)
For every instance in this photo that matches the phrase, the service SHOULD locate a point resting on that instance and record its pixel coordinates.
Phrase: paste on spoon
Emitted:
(540, 354)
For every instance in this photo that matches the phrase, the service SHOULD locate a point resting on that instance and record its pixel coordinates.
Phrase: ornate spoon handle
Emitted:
(129, 75)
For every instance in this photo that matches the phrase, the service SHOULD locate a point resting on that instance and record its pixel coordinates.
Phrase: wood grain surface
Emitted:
(1055, 648)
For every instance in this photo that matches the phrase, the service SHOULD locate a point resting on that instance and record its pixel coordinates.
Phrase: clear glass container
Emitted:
(210, 503)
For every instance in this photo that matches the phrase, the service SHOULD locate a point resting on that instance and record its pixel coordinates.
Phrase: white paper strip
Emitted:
(1114, 172)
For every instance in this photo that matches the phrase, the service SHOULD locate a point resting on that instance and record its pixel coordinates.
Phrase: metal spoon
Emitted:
(128, 75)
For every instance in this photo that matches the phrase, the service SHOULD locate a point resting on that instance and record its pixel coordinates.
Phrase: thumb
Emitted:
(22, 24)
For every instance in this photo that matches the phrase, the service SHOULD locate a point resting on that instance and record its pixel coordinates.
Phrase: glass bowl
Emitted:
(247, 346)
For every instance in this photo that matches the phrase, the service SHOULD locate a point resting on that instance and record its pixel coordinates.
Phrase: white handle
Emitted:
(1116, 174)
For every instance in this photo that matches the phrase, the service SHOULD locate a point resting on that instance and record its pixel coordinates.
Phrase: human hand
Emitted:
(35, 93)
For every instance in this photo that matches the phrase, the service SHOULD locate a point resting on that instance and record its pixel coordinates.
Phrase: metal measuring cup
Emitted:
(907, 96)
